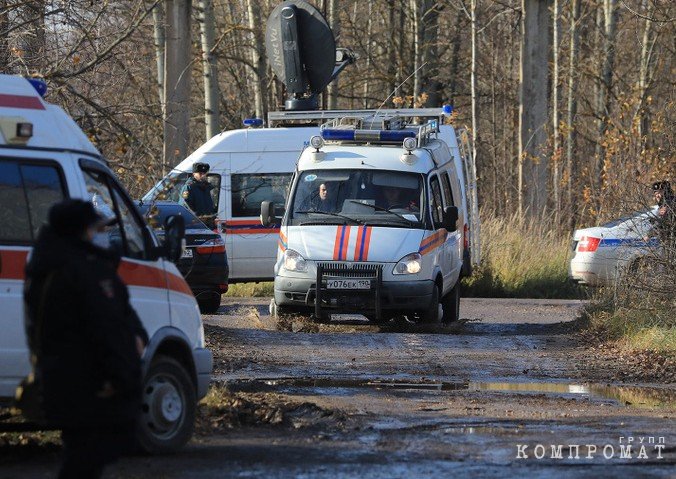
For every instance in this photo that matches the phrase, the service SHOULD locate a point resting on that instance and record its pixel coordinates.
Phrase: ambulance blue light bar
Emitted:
(395, 136)
(253, 122)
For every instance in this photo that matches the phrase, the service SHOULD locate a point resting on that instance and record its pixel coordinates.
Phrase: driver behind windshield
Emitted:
(321, 200)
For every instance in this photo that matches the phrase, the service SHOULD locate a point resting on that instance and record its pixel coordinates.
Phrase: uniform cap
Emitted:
(200, 168)
(73, 217)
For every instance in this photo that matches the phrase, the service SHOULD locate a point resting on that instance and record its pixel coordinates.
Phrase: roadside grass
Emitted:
(646, 324)
(256, 290)
(522, 258)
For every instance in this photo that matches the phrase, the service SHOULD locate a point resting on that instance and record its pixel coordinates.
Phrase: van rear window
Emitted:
(27, 191)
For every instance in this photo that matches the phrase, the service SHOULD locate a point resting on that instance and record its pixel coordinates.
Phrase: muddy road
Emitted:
(509, 391)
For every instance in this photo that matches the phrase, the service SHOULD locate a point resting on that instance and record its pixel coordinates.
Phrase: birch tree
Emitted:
(571, 128)
(258, 59)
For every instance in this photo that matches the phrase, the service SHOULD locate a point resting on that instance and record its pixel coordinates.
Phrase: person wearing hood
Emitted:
(85, 339)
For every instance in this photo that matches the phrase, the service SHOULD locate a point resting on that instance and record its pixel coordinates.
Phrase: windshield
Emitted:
(361, 196)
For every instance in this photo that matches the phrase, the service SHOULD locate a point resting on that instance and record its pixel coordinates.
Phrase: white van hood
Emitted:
(352, 242)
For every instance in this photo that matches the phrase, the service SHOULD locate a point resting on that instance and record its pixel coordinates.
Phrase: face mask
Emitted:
(102, 240)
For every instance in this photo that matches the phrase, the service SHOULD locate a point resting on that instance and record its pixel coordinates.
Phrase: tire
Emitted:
(431, 314)
(209, 302)
(167, 408)
(451, 305)
(277, 311)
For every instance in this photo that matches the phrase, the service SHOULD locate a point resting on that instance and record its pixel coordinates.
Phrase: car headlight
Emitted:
(409, 264)
(293, 261)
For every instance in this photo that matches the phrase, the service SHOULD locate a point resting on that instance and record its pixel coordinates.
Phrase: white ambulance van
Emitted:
(44, 158)
(248, 166)
(376, 221)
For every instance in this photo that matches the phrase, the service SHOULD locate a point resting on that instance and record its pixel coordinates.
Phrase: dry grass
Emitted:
(522, 258)
(256, 290)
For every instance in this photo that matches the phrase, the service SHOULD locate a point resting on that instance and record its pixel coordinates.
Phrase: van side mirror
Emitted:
(268, 216)
(174, 237)
(450, 218)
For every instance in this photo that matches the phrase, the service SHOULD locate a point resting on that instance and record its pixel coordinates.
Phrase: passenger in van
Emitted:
(197, 191)
(399, 198)
(322, 200)
(85, 339)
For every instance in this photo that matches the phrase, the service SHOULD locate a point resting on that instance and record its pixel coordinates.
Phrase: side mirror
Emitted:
(174, 237)
(450, 221)
(268, 216)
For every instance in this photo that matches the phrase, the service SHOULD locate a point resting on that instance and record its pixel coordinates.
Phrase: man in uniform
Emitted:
(85, 339)
(664, 224)
(197, 191)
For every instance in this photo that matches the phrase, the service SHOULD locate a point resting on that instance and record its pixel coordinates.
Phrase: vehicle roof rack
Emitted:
(319, 117)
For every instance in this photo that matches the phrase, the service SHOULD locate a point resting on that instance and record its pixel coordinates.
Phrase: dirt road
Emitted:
(509, 391)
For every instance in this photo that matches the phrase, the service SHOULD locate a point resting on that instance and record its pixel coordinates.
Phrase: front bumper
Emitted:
(204, 363)
(300, 293)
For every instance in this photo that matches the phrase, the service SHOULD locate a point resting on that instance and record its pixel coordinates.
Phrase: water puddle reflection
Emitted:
(633, 396)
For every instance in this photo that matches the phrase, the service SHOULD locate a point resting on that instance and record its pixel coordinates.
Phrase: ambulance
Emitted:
(45, 158)
(256, 164)
(376, 221)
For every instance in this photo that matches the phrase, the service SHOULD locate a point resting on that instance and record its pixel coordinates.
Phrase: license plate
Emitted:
(348, 284)
(187, 253)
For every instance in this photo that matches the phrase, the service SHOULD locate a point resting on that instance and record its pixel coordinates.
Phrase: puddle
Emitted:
(623, 395)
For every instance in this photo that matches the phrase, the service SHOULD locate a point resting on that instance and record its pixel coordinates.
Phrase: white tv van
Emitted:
(248, 166)
(371, 227)
(44, 158)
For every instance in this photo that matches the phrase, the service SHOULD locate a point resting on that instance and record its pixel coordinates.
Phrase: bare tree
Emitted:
(177, 82)
(258, 59)
(334, 21)
(571, 128)
(533, 107)
(159, 40)
(205, 18)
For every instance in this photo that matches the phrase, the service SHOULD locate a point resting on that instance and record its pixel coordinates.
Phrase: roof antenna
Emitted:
(396, 88)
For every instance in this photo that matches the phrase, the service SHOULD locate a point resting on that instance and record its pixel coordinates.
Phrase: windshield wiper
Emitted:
(338, 215)
(380, 208)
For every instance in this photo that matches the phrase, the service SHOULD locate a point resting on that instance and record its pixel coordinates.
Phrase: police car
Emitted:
(374, 223)
(602, 254)
(44, 158)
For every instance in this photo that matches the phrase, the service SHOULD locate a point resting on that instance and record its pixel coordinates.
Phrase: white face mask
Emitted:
(102, 240)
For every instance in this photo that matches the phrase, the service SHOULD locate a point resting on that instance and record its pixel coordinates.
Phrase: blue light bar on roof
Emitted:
(394, 136)
(39, 84)
(253, 122)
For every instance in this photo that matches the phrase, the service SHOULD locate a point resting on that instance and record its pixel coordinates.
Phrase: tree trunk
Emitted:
(34, 40)
(610, 27)
(368, 75)
(205, 18)
(455, 56)
(571, 127)
(533, 113)
(473, 86)
(4, 43)
(556, 153)
(159, 39)
(417, 50)
(643, 84)
(177, 82)
(334, 19)
(430, 72)
(258, 59)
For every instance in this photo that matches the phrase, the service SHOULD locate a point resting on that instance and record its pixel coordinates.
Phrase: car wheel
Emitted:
(167, 407)
(451, 305)
(433, 313)
(209, 302)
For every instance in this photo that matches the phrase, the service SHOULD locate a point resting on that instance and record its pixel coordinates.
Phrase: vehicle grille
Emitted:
(350, 270)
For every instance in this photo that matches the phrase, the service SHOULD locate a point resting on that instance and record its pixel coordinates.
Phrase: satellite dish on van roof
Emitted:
(302, 52)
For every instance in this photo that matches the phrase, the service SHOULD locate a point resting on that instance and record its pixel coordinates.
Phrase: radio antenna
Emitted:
(397, 88)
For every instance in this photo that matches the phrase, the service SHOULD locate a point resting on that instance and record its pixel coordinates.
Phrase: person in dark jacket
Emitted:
(197, 191)
(85, 339)
(664, 223)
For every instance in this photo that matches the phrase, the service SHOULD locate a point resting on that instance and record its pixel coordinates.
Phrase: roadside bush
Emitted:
(521, 258)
